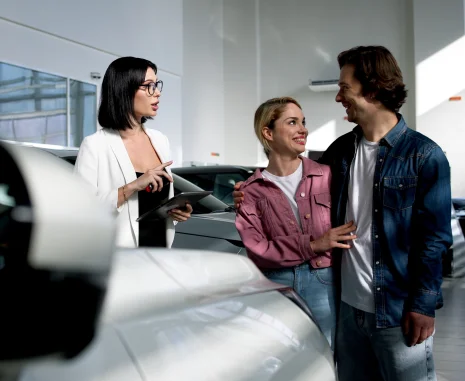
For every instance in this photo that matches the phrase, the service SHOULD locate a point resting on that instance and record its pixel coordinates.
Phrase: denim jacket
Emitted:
(268, 227)
(411, 218)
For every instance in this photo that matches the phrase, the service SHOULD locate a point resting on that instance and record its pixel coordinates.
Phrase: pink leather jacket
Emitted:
(268, 227)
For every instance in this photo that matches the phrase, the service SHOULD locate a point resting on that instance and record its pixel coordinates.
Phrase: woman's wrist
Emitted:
(313, 246)
(125, 195)
(127, 190)
(130, 188)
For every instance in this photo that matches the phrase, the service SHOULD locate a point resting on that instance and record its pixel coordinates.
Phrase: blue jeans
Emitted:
(316, 287)
(367, 353)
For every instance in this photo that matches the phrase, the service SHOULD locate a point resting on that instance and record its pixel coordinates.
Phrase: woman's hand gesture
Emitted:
(153, 178)
(333, 237)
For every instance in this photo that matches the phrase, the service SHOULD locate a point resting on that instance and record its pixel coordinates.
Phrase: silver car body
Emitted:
(172, 314)
(197, 316)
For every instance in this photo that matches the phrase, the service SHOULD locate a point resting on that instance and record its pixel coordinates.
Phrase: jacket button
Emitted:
(302, 194)
(307, 216)
(318, 263)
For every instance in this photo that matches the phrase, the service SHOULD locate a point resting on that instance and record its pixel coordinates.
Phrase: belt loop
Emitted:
(360, 316)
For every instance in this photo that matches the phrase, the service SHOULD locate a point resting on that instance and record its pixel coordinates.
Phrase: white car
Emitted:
(167, 314)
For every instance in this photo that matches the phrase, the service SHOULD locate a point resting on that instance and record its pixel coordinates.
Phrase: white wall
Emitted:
(301, 40)
(440, 61)
(203, 82)
(220, 58)
(219, 82)
(72, 39)
(241, 80)
(290, 42)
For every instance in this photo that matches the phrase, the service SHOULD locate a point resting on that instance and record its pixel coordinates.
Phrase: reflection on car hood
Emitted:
(215, 225)
(223, 216)
(150, 282)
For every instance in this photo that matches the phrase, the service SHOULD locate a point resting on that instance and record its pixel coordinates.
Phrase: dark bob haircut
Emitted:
(378, 72)
(120, 83)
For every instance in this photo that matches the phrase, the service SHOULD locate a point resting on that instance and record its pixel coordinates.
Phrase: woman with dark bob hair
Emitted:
(125, 162)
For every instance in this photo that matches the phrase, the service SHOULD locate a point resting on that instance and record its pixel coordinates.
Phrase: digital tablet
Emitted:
(177, 202)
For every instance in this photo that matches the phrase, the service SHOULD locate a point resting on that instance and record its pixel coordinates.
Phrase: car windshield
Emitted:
(218, 179)
(207, 205)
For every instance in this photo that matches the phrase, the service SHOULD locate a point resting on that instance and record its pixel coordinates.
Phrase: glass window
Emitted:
(206, 181)
(34, 107)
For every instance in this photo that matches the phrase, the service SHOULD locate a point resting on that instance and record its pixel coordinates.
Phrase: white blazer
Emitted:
(104, 162)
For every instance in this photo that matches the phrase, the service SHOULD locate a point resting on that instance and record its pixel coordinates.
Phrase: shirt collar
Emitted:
(392, 137)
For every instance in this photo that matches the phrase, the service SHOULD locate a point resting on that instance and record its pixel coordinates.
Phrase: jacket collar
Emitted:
(310, 168)
(119, 150)
(392, 137)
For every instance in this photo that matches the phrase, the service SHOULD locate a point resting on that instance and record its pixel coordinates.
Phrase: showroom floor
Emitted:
(449, 339)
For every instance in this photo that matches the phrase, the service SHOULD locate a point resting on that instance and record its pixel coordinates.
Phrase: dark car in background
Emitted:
(219, 179)
(459, 206)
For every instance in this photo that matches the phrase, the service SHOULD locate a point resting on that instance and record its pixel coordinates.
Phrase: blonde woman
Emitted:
(285, 220)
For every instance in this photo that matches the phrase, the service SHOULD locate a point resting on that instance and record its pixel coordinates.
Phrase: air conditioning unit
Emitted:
(325, 85)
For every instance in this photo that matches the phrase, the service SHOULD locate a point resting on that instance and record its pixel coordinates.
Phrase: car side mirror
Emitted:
(56, 245)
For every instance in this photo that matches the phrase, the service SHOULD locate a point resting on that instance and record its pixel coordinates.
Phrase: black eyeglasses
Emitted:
(150, 87)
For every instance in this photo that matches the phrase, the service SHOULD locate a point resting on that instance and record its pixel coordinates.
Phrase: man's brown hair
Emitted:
(378, 72)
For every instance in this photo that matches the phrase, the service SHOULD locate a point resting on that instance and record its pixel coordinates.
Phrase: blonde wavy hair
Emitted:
(266, 114)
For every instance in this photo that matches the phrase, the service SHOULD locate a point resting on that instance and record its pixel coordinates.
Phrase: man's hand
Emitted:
(238, 195)
(417, 327)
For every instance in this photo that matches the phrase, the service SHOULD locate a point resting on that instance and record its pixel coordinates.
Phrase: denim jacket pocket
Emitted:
(323, 202)
(399, 192)
(323, 199)
(251, 210)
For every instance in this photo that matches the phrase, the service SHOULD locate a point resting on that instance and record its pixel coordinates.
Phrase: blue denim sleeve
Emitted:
(432, 231)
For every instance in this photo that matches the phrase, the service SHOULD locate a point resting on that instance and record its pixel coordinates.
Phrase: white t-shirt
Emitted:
(288, 184)
(357, 262)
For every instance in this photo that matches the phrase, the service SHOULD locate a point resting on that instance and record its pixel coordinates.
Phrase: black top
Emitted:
(152, 233)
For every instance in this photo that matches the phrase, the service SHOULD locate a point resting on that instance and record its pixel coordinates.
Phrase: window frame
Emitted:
(68, 79)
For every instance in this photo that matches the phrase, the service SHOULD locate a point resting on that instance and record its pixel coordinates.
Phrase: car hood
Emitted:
(215, 225)
(147, 282)
(221, 216)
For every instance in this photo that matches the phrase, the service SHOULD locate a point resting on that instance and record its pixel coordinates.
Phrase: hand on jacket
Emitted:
(238, 195)
(333, 237)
